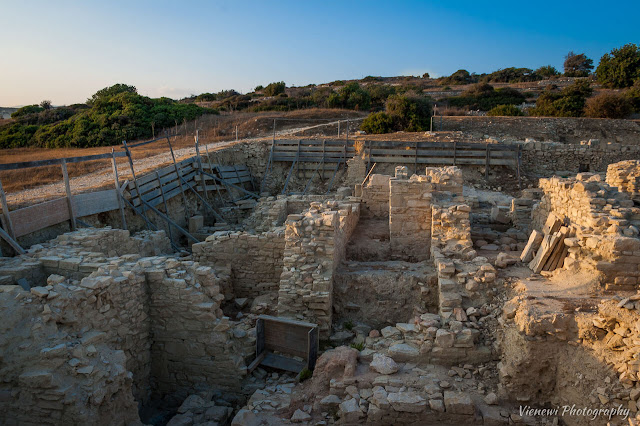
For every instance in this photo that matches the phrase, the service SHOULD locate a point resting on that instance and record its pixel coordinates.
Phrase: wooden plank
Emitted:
(67, 187)
(13, 243)
(535, 239)
(260, 336)
(282, 363)
(5, 213)
(156, 193)
(177, 169)
(552, 224)
(549, 244)
(256, 362)
(39, 216)
(314, 344)
(283, 338)
(95, 202)
(166, 208)
(116, 178)
(56, 161)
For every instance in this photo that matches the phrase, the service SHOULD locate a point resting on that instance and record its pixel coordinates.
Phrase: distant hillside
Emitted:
(110, 116)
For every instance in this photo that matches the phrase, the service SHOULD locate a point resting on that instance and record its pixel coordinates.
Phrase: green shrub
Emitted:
(27, 110)
(409, 113)
(569, 102)
(459, 77)
(633, 94)
(505, 110)
(620, 68)
(274, 89)
(304, 374)
(358, 346)
(608, 105)
(258, 88)
(577, 65)
(348, 325)
(547, 71)
(512, 75)
(377, 123)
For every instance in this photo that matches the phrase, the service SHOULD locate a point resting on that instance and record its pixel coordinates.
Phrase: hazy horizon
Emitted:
(66, 51)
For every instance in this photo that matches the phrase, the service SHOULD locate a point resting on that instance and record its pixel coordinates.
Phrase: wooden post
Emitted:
(5, 213)
(175, 166)
(116, 179)
(518, 159)
(415, 165)
(274, 131)
(67, 187)
(454, 153)
(323, 154)
(135, 183)
(266, 172)
(369, 155)
(487, 159)
(14, 245)
(338, 129)
(202, 179)
(206, 148)
(164, 201)
(297, 158)
(236, 133)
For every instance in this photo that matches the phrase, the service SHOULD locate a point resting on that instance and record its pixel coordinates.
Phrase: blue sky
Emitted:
(67, 50)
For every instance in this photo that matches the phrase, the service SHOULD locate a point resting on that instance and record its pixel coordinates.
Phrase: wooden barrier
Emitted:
(288, 338)
(423, 153)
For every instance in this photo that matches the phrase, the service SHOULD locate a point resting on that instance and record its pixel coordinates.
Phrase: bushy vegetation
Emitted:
(351, 96)
(377, 123)
(633, 94)
(402, 112)
(568, 102)
(274, 89)
(110, 116)
(620, 68)
(577, 65)
(459, 77)
(505, 110)
(608, 105)
(484, 97)
(547, 71)
(512, 75)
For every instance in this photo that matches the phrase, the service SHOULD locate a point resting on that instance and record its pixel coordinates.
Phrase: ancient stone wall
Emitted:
(567, 130)
(592, 156)
(194, 344)
(375, 196)
(625, 176)
(90, 350)
(446, 179)
(603, 224)
(315, 243)
(253, 262)
(410, 217)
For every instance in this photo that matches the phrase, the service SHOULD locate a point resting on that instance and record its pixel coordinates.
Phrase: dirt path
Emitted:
(103, 178)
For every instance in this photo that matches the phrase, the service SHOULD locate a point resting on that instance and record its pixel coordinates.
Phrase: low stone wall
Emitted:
(254, 262)
(603, 227)
(315, 244)
(567, 130)
(591, 156)
(625, 176)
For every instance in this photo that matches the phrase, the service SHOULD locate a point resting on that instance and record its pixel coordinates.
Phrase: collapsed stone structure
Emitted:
(107, 327)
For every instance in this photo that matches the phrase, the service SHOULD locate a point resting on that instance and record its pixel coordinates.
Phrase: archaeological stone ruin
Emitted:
(331, 282)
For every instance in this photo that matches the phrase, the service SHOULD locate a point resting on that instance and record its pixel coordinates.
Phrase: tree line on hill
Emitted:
(119, 113)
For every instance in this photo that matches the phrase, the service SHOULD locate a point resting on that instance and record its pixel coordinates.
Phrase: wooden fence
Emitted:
(332, 154)
(143, 194)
